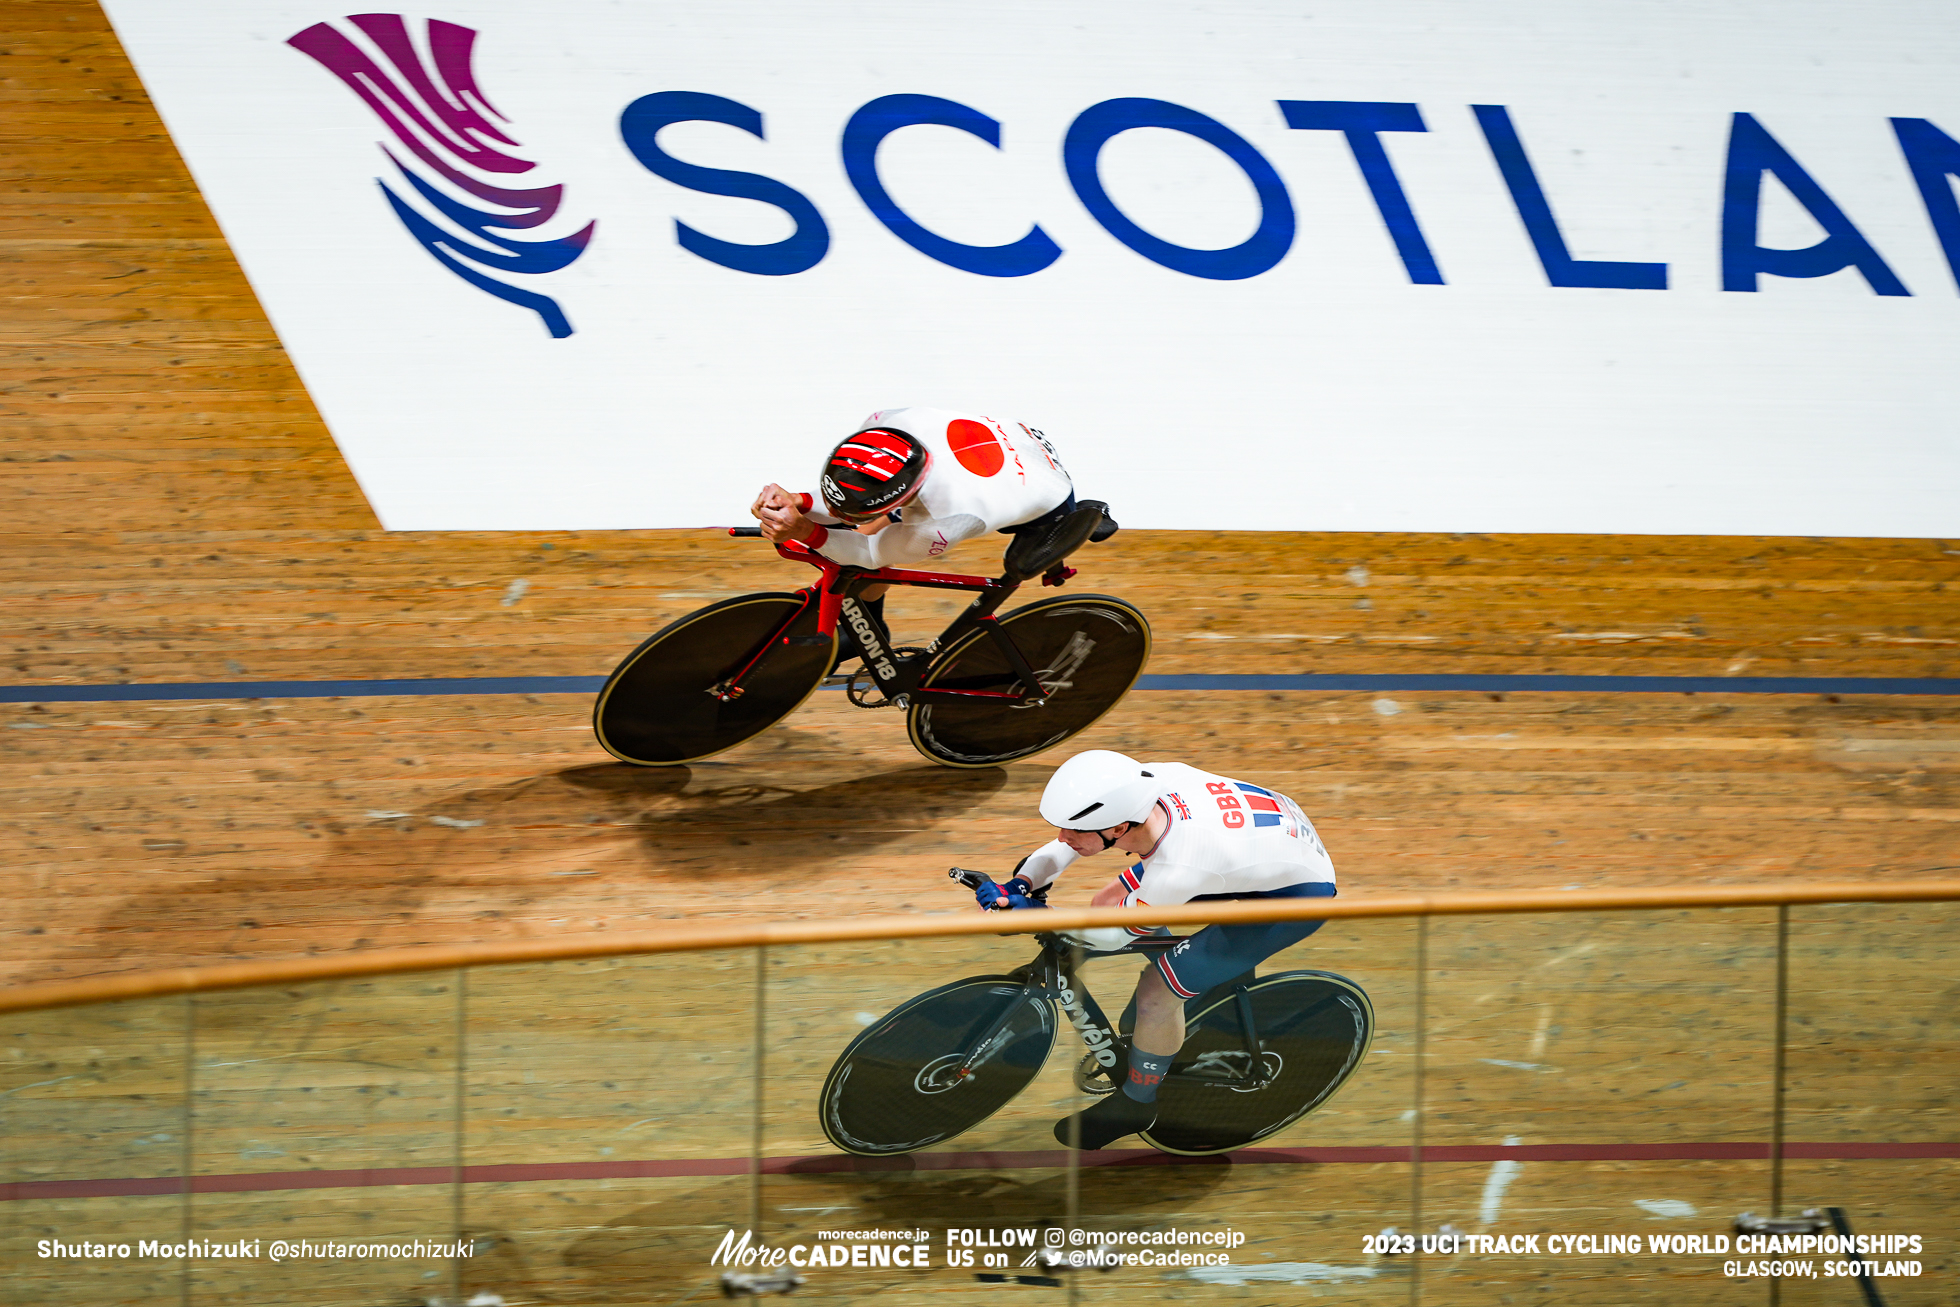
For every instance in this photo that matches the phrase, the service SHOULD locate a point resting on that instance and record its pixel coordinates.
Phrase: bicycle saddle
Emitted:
(1034, 552)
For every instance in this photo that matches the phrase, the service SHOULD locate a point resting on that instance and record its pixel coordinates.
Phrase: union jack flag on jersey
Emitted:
(1271, 808)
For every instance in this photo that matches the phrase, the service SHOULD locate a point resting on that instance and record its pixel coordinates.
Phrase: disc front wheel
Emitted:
(935, 1066)
(713, 679)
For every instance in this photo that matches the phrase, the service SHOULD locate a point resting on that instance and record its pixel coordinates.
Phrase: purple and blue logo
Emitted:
(437, 114)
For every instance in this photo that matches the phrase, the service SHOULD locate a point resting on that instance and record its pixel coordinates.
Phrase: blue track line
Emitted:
(1581, 684)
(1332, 682)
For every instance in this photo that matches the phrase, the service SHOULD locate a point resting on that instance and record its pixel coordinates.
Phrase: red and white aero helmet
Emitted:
(873, 472)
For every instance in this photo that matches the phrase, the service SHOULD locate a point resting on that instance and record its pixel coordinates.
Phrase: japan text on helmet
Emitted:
(1098, 789)
(873, 472)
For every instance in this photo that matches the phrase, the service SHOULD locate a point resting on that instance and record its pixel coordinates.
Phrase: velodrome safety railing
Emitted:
(1587, 1085)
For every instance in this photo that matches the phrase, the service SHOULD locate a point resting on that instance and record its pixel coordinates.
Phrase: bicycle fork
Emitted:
(1052, 980)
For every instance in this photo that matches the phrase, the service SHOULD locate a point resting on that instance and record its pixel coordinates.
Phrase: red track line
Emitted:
(535, 1172)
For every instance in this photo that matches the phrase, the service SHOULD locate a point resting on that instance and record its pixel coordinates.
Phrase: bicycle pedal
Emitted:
(860, 686)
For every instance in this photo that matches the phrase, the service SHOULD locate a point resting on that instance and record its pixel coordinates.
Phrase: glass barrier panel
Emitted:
(324, 1116)
(1871, 1113)
(1628, 1058)
(910, 1176)
(92, 1102)
(1297, 1210)
(889, 1148)
(608, 1124)
(1607, 1080)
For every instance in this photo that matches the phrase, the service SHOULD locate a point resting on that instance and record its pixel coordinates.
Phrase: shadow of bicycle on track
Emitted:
(594, 844)
(728, 821)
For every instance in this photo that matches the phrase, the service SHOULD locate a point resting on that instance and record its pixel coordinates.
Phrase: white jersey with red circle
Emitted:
(1223, 837)
(985, 474)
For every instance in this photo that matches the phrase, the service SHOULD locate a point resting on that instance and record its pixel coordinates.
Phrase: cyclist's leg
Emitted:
(1134, 1108)
(1161, 996)
(1211, 957)
(848, 644)
(1218, 954)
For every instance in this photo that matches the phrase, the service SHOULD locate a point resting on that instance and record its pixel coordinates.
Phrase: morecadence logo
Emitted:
(437, 114)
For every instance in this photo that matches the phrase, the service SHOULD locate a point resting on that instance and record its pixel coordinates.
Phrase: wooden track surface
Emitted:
(142, 834)
(178, 513)
(142, 388)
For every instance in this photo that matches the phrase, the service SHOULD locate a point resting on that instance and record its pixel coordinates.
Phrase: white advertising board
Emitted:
(1434, 265)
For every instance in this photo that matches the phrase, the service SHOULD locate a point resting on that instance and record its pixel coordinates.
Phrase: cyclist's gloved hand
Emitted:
(1016, 893)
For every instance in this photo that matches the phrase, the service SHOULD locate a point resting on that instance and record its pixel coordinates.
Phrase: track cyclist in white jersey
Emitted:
(914, 482)
(1197, 836)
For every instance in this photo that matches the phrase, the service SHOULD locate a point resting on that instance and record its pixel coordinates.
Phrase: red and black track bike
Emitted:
(990, 689)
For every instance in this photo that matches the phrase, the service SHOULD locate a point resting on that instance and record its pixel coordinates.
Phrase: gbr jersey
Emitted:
(985, 474)
(1223, 837)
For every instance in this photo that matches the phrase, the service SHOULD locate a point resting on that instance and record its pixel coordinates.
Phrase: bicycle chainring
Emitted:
(1232, 1069)
(1092, 1077)
(862, 688)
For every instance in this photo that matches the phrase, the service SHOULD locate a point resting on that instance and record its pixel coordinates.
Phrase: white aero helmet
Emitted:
(1098, 789)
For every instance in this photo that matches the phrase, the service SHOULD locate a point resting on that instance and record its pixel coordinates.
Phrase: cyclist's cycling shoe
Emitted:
(1109, 1120)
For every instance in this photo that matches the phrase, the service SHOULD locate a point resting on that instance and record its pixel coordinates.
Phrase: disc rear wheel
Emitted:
(1314, 1028)
(671, 700)
(1086, 650)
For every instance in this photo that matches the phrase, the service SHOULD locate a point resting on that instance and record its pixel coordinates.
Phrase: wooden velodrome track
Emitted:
(177, 513)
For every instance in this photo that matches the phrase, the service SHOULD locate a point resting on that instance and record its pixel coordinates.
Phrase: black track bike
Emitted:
(1260, 1052)
(991, 689)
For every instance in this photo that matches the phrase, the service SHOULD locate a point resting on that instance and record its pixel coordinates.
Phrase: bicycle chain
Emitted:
(861, 684)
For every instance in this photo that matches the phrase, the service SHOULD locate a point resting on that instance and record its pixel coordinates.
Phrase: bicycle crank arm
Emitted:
(1183, 1074)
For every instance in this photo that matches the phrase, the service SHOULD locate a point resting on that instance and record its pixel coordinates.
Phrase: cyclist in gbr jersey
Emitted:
(914, 482)
(1196, 836)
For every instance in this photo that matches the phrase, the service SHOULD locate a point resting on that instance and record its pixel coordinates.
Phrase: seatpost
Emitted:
(839, 582)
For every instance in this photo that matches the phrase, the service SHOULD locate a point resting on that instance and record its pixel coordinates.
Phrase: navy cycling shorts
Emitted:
(1218, 953)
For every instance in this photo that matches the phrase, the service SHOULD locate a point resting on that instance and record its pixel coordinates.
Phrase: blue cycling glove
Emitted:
(1016, 893)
